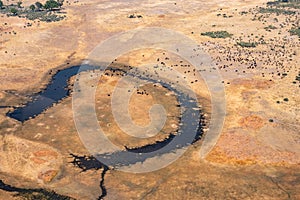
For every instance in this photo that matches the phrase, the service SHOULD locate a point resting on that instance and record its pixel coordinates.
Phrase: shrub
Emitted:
(295, 31)
(14, 11)
(217, 34)
(276, 11)
(247, 44)
(270, 27)
(44, 16)
(38, 5)
(285, 4)
(298, 77)
(60, 3)
(51, 18)
(32, 7)
(35, 11)
(19, 4)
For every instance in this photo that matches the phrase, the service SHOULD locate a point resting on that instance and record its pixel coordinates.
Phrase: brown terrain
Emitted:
(258, 153)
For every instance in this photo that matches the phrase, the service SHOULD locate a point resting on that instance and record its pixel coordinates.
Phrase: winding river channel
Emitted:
(189, 131)
(58, 88)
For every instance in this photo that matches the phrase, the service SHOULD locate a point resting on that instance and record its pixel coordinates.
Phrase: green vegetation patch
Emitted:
(298, 77)
(247, 44)
(277, 11)
(294, 4)
(295, 31)
(270, 27)
(47, 12)
(217, 34)
(44, 16)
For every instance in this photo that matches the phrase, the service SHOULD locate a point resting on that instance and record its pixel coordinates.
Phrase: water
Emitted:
(189, 131)
(55, 91)
(38, 193)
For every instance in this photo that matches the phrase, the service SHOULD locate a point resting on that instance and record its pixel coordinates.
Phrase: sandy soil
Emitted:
(258, 153)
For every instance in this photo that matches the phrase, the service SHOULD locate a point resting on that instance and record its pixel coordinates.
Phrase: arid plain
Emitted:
(258, 153)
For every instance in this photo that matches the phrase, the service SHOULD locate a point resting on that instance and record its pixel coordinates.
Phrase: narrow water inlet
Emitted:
(33, 193)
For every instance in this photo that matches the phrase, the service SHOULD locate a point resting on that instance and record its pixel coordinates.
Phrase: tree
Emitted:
(38, 5)
(50, 4)
(1, 4)
(13, 11)
(32, 7)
